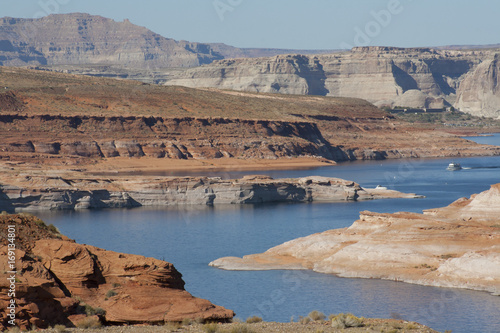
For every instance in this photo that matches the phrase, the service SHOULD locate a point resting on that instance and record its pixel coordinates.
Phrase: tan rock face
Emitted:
(455, 246)
(57, 277)
(422, 78)
(480, 90)
(76, 39)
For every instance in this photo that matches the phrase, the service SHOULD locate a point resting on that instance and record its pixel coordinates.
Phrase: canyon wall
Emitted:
(420, 78)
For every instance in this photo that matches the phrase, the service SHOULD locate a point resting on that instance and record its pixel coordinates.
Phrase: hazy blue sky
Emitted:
(300, 24)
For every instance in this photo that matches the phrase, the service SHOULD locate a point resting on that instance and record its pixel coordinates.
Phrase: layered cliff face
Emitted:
(82, 39)
(61, 282)
(422, 78)
(455, 246)
(68, 191)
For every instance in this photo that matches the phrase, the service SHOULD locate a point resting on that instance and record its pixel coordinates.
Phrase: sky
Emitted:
(293, 24)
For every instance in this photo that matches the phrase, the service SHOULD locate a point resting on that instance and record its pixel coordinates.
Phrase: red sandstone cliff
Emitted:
(61, 282)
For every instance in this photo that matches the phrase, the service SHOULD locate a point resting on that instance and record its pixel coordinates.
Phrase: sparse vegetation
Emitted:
(316, 315)
(210, 328)
(186, 322)
(304, 320)
(253, 319)
(60, 328)
(342, 321)
(111, 293)
(90, 322)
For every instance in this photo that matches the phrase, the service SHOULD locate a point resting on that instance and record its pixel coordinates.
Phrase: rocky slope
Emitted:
(456, 246)
(423, 78)
(61, 282)
(68, 191)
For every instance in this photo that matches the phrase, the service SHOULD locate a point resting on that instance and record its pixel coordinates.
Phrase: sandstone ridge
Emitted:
(61, 282)
(456, 246)
(58, 193)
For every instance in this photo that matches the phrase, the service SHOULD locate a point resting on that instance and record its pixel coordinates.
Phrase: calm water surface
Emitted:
(191, 237)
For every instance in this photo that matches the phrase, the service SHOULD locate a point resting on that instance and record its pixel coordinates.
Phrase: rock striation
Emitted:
(455, 246)
(66, 193)
(61, 282)
(385, 76)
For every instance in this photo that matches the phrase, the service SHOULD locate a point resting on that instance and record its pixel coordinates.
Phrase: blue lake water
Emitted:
(190, 237)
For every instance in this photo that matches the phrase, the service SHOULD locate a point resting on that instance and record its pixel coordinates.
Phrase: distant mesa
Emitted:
(466, 79)
(84, 39)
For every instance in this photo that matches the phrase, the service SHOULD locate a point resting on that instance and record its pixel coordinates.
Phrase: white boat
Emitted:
(454, 167)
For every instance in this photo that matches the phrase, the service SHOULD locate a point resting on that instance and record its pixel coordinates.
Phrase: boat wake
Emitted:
(481, 167)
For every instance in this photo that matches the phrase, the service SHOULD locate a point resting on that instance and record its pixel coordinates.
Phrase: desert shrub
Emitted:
(60, 328)
(111, 293)
(240, 328)
(90, 322)
(116, 285)
(187, 322)
(100, 311)
(316, 315)
(89, 310)
(304, 320)
(342, 321)
(210, 328)
(53, 229)
(14, 329)
(171, 326)
(253, 319)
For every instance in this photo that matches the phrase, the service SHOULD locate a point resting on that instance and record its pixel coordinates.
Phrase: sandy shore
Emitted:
(151, 165)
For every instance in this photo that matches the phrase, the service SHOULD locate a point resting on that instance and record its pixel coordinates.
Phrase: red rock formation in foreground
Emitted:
(456, 246)
(61, 282)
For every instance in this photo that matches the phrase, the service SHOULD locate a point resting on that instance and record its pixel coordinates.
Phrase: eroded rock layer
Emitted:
(66, 193)
(456, 246)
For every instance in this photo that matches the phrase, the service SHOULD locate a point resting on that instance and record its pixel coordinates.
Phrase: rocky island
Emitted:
(455, 246)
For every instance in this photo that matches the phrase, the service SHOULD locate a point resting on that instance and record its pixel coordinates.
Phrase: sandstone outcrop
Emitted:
(61, 282)
(62, 193)
(456, 246)
(421, 78)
